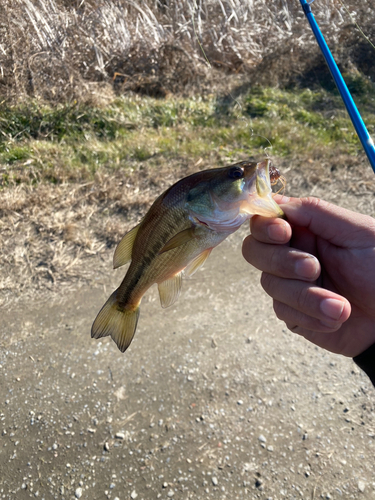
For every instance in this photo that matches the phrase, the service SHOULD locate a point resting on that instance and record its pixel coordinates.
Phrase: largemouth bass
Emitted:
(177, 235)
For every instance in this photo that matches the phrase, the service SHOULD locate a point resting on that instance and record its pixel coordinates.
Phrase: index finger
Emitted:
(337, 225)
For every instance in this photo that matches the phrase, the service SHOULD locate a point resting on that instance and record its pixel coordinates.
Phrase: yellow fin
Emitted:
(123, 252)
(169, 290)
(178, 239)
(196, 263)
(119, 323)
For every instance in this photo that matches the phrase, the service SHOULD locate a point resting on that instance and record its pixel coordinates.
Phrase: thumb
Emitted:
(339, 226)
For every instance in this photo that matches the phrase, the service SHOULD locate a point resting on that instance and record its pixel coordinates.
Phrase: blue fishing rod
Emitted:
(360, 127)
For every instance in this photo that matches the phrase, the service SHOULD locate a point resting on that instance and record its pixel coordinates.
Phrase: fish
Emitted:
(177, 235)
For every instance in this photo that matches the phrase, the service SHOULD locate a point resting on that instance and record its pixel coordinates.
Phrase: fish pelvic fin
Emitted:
(117, 322)
(197, 263)
(169, 290)
(123, 252)
(179, 239)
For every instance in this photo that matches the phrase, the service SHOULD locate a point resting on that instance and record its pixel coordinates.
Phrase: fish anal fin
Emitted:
(117, 322)
(178, 239)
(197, 262)
(169, 290)
(123, 252)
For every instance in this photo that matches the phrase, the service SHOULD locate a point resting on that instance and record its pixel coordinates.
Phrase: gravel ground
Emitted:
(213, 399)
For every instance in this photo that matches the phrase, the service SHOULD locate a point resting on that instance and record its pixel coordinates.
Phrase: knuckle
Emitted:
(267, 281)
(280, 310)
(274, 260)
(311, 201)
(304, 299)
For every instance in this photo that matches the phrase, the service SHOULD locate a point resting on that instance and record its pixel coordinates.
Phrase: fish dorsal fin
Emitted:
(178, 239)
(119, 323)
(169, 290)
(196, 263)
(123, 252)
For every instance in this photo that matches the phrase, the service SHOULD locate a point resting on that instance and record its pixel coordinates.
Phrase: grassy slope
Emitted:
(72, 143)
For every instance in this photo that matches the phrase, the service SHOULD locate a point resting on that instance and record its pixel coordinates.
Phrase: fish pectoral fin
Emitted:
(117, 322)
(179, 239)
(123, 252)
(196, 263)
(169, 290)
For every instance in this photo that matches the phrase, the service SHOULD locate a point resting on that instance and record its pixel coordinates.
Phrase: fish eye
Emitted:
(236, 173)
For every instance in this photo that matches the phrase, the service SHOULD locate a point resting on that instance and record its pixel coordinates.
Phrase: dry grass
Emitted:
(60, 50)
(57, 235)
(54, 235)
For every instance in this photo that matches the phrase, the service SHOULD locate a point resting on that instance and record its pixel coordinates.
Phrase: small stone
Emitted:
(133, 495)
(240, 402)
(361, 486)
(120, 435)
(170, 493)
(106, 446)
(165, 485)
(214, 480)
(262, 439)
(91, 430)
(78, 493)
(270, 448)
(259, 483)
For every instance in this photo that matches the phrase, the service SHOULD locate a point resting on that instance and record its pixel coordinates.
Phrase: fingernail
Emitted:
(277, 232)
(307, 267)
(332, 308)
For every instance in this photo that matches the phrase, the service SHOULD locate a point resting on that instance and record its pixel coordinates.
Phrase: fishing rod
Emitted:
(360, 127)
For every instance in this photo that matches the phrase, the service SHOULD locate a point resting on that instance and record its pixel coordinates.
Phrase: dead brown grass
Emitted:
(49, 234)
(59, 50)
(58, 235)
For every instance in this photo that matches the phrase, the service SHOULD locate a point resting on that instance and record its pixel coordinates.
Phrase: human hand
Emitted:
(323, 283)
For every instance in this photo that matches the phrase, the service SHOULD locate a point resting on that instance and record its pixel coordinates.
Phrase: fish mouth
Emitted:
(261, 201)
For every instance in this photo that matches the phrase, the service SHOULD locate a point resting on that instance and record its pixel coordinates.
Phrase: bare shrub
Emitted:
(60, 50)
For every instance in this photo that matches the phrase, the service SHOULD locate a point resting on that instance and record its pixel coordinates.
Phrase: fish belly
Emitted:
(165, 266)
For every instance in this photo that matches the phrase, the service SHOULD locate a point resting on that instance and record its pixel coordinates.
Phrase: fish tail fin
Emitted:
(116, 321)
